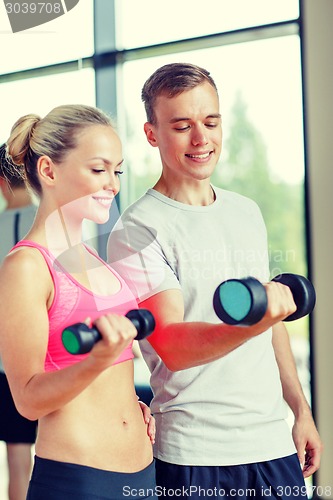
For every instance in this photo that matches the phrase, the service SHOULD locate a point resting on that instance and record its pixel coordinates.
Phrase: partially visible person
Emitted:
(17, 432)
(93, 438)
(218, 389)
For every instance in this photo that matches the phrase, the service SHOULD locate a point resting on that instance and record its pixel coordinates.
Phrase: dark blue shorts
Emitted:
(276, 479)
(52, 480)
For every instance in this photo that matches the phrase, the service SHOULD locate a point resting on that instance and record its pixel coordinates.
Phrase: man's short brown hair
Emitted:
(171, 80)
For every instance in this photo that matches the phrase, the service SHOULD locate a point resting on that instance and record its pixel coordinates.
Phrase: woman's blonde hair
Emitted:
(53, 136)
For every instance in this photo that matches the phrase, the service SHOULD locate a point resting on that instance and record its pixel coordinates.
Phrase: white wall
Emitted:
(318, 31)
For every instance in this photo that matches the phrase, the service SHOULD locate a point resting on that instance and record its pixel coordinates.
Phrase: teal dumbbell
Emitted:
(80, 338)
(244, 301)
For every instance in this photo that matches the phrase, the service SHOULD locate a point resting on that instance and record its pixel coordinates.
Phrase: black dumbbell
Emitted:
(80, 338)
(244, 301)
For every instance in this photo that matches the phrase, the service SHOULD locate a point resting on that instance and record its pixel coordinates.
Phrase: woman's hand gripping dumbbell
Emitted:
(80, 338)
(244, 301)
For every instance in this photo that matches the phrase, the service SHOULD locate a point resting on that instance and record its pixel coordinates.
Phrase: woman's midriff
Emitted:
(103, 427)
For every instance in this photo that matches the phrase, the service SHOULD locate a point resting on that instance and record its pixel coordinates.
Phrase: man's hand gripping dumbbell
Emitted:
(244, 301)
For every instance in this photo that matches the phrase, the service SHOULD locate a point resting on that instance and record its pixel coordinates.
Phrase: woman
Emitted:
(92, 439)
(17, 432)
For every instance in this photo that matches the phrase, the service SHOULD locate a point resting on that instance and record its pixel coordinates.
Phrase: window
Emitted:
(146, 23)
(39, 95)
(264, 75)
(66, 38)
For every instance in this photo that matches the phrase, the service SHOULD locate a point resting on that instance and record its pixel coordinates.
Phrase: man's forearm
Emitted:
(291, 386)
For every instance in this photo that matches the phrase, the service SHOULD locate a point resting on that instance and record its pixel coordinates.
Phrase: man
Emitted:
(218, 389)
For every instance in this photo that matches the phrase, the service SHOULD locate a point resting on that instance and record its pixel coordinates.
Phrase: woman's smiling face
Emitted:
(87, 181)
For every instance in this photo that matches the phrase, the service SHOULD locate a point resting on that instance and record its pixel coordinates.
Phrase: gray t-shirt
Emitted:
(226, 412)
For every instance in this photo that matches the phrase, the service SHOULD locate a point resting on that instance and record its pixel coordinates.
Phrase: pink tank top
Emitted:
(74, 303)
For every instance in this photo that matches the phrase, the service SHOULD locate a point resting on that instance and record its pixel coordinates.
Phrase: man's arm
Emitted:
(306, 438)
(187, 344)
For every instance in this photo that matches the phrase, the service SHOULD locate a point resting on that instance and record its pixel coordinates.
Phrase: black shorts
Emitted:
(275, 479)
(54, 480)
(13, 427)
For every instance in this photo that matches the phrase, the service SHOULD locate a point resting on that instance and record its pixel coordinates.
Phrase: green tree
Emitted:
(245, 169)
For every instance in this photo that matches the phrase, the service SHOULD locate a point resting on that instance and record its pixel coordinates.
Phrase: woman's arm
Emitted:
(26, 289)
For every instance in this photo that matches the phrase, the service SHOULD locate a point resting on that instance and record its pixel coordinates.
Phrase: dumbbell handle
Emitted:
(80, 338)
